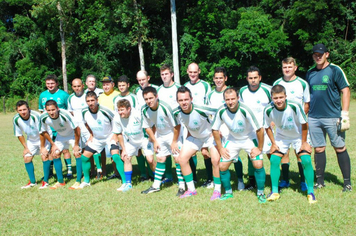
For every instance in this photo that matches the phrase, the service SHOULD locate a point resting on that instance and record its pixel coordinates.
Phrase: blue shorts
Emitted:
(319, 127)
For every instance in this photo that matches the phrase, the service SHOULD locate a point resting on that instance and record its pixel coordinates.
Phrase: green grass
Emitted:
(101, 210)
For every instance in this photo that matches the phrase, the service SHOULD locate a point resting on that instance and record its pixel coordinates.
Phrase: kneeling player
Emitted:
(292, 129)
(245, 133)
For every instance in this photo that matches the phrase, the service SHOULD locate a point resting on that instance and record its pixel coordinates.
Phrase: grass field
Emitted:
(101, 210)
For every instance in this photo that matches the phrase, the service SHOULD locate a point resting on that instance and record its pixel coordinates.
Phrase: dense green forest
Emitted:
(101, 38)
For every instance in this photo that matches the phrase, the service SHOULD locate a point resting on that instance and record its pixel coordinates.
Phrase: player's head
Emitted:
(52, 83)
(320, 54)
(52, 109)
(166, 75)
(231, 98)
(289, 67)
(92, 101)
(78, 87)
(91, 82)
(124, 108)
(150, 95)
(253, 78)
(220, 78)
(279, 96)
(23, 109)
(143, 78)
(123, 83)
(184, 98)
(193, 72)
(108, 85)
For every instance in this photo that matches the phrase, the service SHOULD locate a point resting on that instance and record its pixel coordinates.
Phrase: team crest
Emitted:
(292, 92)
(195, 122)
(258, 101)
(61, 125)
(240, 123)
(289, 118)
(325, 79)
(161, 118)
(99, 122)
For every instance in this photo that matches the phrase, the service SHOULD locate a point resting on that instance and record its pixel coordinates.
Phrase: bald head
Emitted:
(193, 72)
(78, 87)
(143, 78)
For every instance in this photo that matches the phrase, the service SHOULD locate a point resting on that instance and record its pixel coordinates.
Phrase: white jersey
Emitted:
(198, 122)
(242, 124)
(130, 97)
(169, 94)
(199, 91)
(297, 90)
(99, 122)
(162, 118)
(64, 124)
(130, 128)
(288, 122)
(75, 105)
(98, 91)
(256, 100)
(31, 126)
(215, 99)
(140, 100)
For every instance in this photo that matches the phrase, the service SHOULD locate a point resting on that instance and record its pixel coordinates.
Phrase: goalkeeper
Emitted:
(328, 114)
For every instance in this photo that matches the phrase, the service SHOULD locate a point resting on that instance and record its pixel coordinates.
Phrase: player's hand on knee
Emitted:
(224, 153)
(306, 147)
(255, 152)
(345, 121)
(26, 152)
(274, 148)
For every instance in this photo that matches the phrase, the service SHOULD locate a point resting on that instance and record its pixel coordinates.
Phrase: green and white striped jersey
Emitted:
(130, 97)
(99, 122)
(297, 90)
(31, 126)
(199, 91)
(64, 124)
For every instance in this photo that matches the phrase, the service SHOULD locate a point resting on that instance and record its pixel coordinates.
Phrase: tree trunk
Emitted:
(63, 48)
(175, 42)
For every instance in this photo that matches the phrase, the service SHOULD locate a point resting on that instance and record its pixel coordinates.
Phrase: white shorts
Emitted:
(146, 146)
(84, 136)
(35, 148)
(165, 142)
(266, 144)
(198, 144)
(99, 144)
(64, 142)
(235, 147)
(285, 144)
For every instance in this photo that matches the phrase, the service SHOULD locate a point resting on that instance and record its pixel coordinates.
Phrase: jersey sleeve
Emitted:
(40, 105)
(17, 129)
(217, 122)
(147, 123)
(340, 78)
(116, 125)
(301, 115)
(66, 97)
(69, 105)
(306, 93)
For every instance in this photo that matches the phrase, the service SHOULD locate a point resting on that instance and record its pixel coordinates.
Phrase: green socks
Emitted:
(189, 180)
(58, 167)
(275, 172)
(209, 168)
(225, 180)
(260, 175)
(141, 165)
(86, 168)
(238, 169)
(78, 162)
(46, 166)
(168, 172)
(160, 168)
(69, 164)
(31, 171)
(119, 166)
(97, 157)
(308, 172)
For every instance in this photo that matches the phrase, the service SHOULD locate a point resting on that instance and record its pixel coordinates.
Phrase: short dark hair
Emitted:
(149, 89)
(50, 103)
(166, 67)
(123, 103)
(252, 69)
(231, 90)
(91, 94)
(183, 89)
(52, 77)
(220, 69)
(21, 103)
(123, 78)
(278, 89)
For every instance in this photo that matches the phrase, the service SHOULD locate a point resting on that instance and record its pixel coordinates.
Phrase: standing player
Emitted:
(197, 120)
(68, 133)
(28, 122)
(297, 91)
(158, 116)
(256, 95)
(143, 80)
(91, 84)
(245, 133)
(291, 130)
(328, 113)
(216, 99)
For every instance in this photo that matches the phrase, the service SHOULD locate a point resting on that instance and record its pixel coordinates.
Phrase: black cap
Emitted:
(320, 48)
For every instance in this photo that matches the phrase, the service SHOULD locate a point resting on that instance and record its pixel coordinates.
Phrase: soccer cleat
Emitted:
(75, 186)
(83, 185)
(125, 187)
(166, 181)
(69, 175)
(44, 185)
(226, 196)
(240, 185)
(273, 197)
(180, 192)
(311, 198)
(216, 195)
(261, 198)
(347, 188)
(284, 184)
(113, 176)
(99, 176)
(249, 187)
(150, 190)
(208, 184)
(188, 193)
(58, 185)
(144, 179)
(303, 186)
(29, 185)
(319, 186)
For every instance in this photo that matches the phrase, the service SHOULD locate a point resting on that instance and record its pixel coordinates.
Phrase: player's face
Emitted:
(108, 87)
(193, 73)
(124, 112)
(78, 87)
(51, 85)
(166, 76)
(143, 81)
(320, 58)
(219, 80)
(253, 80)
(231, 100)
(91, 83)
(92, 104)
(289, 69)
(123, 87)
(52, 111)
(279, 100)
(185, 101)
(151, 100)
(23, 111)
